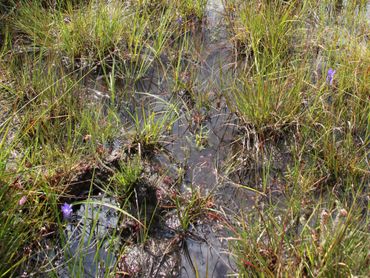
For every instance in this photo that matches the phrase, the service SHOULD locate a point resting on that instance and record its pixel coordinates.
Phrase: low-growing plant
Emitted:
(265, 31)
(201, 137)
(150, 125)
(327, 242)
(82, 32)
(269, 101)
(128, 174)
(191, 208)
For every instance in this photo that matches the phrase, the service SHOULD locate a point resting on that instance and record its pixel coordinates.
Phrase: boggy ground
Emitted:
(190, 138)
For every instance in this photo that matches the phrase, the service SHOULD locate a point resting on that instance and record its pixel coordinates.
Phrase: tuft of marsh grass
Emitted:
(283, 81)
(322, 240)
(266, 31)
(269, 101)
(151, 123)
(128, 175)
(42, 142)
(190, 209)
(132, 32)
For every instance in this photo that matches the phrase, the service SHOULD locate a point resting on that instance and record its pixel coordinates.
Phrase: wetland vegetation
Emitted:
(184, 138)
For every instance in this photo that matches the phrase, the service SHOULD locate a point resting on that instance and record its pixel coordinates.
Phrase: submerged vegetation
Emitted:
(133, 130)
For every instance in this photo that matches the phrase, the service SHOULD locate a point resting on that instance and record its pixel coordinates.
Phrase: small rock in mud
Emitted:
(156, 258)
(172, 221)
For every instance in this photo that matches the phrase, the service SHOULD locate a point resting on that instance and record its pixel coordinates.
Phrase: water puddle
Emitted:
(88, 244)
(89, 238)
(207, 255)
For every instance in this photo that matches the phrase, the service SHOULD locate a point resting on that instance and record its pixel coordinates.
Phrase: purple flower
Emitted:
(22, 201)
(67, 210)
(330, 76)
(179, 20)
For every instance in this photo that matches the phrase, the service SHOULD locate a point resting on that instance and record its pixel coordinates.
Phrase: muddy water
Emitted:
(204, 250)
(213, 123)
(206, 256)
(89, 237)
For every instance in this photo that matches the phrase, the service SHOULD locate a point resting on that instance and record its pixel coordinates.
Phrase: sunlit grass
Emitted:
(69, 79)
(322, 240)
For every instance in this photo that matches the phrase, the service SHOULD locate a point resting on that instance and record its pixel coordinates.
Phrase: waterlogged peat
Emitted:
(184, 139)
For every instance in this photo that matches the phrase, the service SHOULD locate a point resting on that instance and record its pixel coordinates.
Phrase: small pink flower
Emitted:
(22, 201)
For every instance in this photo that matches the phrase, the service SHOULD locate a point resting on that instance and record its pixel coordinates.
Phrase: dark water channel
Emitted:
(206, 255)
